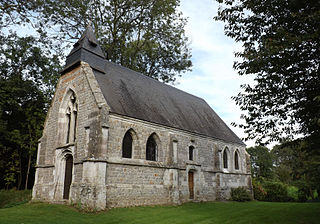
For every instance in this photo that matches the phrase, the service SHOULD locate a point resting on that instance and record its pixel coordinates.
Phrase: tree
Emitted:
(15, 12)
(26, 81)
(288, 159)
(23, 115)
(297, 164)
(146, 35)
(281, 48)
(261, 161)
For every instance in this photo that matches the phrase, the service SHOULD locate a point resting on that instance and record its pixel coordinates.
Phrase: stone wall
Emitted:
(52, 151)
(143, 182)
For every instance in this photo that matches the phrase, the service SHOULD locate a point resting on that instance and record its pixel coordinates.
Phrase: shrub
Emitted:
(276, 191)
(240, 194)
(258, 191)
(303, 193)
(293, 193)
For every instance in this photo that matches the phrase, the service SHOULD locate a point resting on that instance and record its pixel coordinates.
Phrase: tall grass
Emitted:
(10, 198)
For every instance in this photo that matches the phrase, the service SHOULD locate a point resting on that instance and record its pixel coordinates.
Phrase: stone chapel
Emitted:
(114, 138)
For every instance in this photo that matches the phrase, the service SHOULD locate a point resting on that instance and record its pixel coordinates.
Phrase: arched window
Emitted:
(71, 116)
(151, 152)
(191, 152)
(236, 160)
(127, 145)
(225, 159)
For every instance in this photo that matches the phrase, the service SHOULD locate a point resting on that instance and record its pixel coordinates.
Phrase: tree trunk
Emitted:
(28, 171)
(20, 170)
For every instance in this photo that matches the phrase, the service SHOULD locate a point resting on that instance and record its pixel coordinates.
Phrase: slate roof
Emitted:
(135, 95)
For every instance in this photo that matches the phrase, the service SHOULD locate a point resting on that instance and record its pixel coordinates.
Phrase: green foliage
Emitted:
(288, 159)
(240, 194)
(303, 194)
(23, 56)
(27, 78)
(280, 42)
(10, 198)
(293, 193)
(276, 191)
(297, 163)
(266, 190)
(218, 212)
(261, 161)
(258, 191)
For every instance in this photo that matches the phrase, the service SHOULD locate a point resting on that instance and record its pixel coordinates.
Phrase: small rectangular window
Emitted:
(191, 151)
(87, 135)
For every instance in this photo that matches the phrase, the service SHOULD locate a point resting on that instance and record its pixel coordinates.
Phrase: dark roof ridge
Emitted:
(155, 80)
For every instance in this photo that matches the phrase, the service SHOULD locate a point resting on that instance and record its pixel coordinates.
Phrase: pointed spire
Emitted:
(86, 49)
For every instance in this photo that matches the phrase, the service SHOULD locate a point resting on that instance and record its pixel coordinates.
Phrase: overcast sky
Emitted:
(212, 77)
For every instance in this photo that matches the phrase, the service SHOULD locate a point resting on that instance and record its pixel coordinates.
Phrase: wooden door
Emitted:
(191, 185)
(68, 177)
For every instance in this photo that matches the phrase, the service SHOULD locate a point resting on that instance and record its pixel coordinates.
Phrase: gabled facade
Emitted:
(114, 138)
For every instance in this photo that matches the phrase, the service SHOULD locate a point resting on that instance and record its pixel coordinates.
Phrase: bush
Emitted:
(258, 191)
(276, 191)
(240, 194)
(293, 193)
(303, 193)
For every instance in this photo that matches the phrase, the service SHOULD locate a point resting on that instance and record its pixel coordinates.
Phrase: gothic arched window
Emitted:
(236, 160)
(71, 115)
(151, 152)
(127, 145)
(225, 159)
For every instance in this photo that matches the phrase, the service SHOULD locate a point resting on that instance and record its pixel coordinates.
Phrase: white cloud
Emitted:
(213, 77)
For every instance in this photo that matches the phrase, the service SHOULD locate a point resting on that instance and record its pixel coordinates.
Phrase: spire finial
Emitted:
(88, 50)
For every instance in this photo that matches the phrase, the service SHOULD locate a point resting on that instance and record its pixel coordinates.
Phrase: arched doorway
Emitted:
(191, 184)
(68, 176)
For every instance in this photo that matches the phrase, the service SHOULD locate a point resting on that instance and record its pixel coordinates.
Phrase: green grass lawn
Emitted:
(213, 212)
